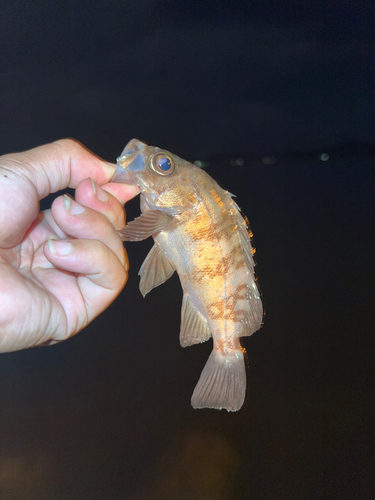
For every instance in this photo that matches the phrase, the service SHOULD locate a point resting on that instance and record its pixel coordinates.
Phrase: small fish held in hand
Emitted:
(199, 232)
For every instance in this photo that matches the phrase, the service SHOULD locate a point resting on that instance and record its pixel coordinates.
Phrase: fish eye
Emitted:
(162, 164)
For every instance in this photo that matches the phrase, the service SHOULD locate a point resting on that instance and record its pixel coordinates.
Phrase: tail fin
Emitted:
(222, 383)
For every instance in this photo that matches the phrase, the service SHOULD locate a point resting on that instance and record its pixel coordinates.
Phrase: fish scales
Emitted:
(205, 239)
(206, 260)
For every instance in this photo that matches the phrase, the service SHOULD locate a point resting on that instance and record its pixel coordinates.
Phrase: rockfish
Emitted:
(199, 232)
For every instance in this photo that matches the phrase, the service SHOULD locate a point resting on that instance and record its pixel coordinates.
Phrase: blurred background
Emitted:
(276, 100)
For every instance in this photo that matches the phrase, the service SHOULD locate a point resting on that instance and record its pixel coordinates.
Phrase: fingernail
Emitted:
(99, 193)
(59, 247)
(109, 169)
(51, 247)
(72, 206)
(67, 201)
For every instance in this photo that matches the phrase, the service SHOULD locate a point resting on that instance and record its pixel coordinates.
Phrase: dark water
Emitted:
(107, 415)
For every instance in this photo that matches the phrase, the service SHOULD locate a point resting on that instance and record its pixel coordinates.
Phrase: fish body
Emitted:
(198, 231)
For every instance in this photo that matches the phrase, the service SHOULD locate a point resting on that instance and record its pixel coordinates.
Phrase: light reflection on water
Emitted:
(196, 465)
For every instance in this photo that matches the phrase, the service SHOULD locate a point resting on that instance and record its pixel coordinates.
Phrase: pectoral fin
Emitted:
(194, 327)
(156, 268)
(149, 223)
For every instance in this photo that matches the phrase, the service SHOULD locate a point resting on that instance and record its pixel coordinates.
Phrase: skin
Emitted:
(62, 267)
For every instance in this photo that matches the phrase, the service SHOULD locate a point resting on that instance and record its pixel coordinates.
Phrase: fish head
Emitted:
(164, 179)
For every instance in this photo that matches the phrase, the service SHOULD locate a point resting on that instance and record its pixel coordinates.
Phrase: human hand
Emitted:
(62, 267)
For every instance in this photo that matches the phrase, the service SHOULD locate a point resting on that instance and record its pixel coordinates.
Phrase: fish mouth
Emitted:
(129, 157)
(133, 147)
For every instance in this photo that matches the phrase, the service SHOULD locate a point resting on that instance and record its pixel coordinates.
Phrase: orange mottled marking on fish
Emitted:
(217, 265)
(227, 308)
(231, 344)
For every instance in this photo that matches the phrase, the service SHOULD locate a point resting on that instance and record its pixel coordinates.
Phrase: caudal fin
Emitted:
(222, 384)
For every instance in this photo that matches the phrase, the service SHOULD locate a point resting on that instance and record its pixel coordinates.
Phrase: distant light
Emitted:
(268, 160)
(201, 164)
(324, 156)
(237, 162)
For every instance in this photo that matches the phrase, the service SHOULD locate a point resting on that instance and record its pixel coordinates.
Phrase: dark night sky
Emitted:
(106, 415)
(185, 75)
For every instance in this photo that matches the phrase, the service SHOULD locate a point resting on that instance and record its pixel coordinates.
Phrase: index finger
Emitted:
(58, 165)
(26, 178)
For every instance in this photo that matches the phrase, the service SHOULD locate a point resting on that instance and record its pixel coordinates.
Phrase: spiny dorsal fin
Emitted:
(253, 311)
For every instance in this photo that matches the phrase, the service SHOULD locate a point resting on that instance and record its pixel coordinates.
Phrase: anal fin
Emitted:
(194, 327)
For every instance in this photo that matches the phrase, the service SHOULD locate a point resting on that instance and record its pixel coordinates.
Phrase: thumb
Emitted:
(26, 178)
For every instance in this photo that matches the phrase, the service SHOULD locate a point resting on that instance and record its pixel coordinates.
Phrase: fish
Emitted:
(199, 232)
